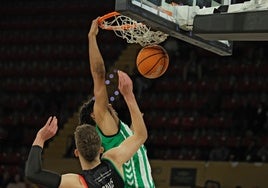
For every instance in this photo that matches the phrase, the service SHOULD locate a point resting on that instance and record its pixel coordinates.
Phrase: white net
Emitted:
(133, 31)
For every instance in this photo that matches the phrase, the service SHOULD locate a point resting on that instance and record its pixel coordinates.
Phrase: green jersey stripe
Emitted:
(137, 171)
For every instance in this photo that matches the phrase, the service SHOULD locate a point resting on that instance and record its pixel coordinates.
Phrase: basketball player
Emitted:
(98, 170)
(137, 171)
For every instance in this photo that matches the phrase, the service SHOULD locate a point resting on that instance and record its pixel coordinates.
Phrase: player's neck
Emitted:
(89, 165)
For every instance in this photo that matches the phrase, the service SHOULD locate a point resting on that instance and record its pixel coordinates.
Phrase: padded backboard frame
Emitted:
(242, 26)
(156, 22)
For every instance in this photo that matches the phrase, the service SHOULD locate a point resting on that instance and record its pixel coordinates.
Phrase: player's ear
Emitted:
(92, 115)
(76, 153)
(101, 149)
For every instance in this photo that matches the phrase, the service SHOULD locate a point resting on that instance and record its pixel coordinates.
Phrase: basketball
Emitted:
(152, 61)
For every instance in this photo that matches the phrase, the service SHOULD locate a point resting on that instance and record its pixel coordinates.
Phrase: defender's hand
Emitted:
(125, 84)
(49, 130)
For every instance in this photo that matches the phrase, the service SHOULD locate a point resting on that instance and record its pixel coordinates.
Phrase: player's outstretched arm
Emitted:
(129, 147)
(97, 67)
(33, 168)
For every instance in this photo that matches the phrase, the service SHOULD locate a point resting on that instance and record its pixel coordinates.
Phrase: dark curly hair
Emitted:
(85, 111)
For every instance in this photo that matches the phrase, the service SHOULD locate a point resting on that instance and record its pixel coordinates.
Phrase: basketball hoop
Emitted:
(131, 30)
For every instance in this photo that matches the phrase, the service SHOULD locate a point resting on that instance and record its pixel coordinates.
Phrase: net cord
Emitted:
(133, 31)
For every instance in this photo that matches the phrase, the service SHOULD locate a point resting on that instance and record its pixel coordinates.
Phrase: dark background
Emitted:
(205, 107)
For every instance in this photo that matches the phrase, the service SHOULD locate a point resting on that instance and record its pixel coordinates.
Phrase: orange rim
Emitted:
(102, 19)
(105, 17)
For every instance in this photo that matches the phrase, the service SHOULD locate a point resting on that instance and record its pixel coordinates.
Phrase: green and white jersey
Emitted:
(137, 171)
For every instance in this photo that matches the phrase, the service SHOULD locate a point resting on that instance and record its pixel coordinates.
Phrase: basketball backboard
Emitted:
(245, 21)
(175, 18)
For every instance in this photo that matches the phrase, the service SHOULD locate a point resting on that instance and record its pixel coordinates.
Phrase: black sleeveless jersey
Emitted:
(103, 176)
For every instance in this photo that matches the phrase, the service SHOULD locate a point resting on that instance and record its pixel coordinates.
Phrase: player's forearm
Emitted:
(35, 173)
(98, 72)
(138, 125)
(39, 141)
(96, 61)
